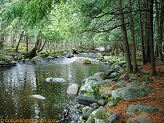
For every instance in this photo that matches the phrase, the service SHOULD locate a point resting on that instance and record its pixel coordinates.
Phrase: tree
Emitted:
(141, 33)
(33, 52)
(1, 26)
(161, 28)
(126, 45)
(151, 44)
(21, 35)
(135, 68)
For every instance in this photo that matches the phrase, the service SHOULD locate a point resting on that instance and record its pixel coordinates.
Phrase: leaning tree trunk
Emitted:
(152, 59)
(135, 68)
(141, 33)
(16, 49)
(1, 35)
(33, 52)
(126, 45)
(42, 46)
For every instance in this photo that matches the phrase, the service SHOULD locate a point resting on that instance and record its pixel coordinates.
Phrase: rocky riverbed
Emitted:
(103, 91)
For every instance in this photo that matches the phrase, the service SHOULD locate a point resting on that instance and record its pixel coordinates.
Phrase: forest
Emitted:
(129, 32)
(129, 27)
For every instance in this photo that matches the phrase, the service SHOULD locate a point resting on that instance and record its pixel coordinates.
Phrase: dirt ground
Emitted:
(156, 99)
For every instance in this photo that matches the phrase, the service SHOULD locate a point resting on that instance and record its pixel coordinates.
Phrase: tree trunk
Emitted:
(147, 34)
(1, 34)
(1, 42)
(16, 49)
(26, 43)
(161, 27)
(152, 39)
(33, 52)
(141, 34)
(135, 68)
(157, 25)
(42, 46)
(126, 45)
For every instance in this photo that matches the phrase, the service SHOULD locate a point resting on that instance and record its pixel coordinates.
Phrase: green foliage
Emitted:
(12, 11)
(100, 114)
(4, 59)
(29, 12)
(115, 59)
(113, 102)
(96, 92)
(146, 79)
(87, 60)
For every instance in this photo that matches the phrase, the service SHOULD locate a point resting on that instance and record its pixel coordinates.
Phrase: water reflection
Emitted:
(19, 82)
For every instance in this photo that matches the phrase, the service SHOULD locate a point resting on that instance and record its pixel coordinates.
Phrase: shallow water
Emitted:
(18, 83)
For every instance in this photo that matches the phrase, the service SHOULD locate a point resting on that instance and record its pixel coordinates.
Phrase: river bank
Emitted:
(128, 98)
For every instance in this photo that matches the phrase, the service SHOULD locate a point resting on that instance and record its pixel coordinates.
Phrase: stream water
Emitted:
(19, 82)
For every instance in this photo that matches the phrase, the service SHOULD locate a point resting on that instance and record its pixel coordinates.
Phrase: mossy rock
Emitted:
(86, 111)
(102, 116)
(129, 93)
(83, 61)
(140, 108)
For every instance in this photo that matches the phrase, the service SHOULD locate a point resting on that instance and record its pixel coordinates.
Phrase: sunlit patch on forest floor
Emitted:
(156, 99)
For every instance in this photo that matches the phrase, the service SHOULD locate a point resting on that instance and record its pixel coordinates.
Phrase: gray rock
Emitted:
(101, 102)
(69, 55)
(86, 111)
(99, 116)
(140, 108)
(37, 96)
(113, 102)
(49, 57)
(142, 118)
(128, 93)
(51, 79)
(125, 76)
(132, 84)
(85, 100)
(108, 58)
(8, 58)
(37, 59)
(113, 118)
(83, 60)
(99, 120)
(7, 64)
(101, 75)
(110, 104)
(94, 105)
(100, 113)
(79, 106)
(72, 89)
(90, 87)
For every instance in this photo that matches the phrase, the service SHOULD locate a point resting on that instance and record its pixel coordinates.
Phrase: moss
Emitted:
(135, 108)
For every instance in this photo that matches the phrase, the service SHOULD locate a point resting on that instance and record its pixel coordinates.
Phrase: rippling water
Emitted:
(19, 82)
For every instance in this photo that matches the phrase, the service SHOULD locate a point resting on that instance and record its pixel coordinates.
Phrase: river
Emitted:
(19, 82)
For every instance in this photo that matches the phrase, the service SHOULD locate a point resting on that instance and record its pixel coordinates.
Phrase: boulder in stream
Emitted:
(36, 59)
(101, 75)
(37, 96)
(51, 79)
(81, 99)
(82, 60)
(72, 89)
